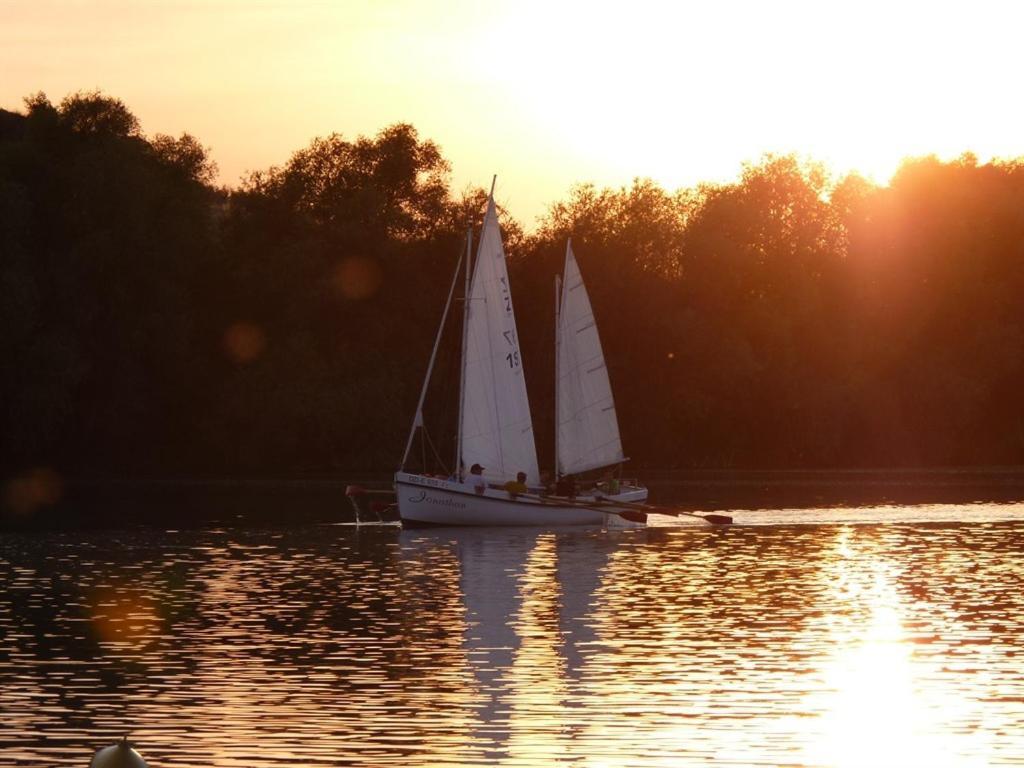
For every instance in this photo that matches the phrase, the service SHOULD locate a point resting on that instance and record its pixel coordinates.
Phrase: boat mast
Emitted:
(465, 330)
(462, 359)
(497, 401)
(558, 351)
(417, 422)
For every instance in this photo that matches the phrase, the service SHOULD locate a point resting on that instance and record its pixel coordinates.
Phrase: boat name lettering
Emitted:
(433, 482)
(436, 502)
(445, 502)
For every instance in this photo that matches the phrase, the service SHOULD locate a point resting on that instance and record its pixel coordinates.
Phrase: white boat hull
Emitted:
(426, 500)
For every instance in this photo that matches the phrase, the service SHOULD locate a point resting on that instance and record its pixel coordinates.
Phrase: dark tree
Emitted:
(150, 322)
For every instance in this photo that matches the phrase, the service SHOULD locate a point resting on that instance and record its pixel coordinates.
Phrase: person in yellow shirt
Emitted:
(517, 486)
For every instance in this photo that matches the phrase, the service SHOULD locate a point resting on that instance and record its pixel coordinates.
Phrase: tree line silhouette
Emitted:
(151, 322)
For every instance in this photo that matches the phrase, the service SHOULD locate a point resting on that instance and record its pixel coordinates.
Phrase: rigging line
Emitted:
(462, 359)
(437, 456)
(447, 373)
(418, 418)
(557, 415)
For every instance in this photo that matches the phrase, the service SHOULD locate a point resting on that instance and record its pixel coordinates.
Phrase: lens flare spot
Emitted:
(121, 616)
(357, 278)
(244, 342)
(41, 487)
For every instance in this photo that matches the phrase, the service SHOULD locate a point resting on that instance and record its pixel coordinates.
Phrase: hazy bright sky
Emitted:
(544, 93)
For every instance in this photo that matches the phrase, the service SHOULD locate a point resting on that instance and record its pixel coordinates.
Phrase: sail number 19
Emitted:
(513, 355)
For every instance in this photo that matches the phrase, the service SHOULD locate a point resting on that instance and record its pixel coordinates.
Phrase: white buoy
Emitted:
(120, 755)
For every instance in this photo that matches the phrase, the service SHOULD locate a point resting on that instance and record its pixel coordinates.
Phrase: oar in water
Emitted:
(633, 515)
(635, 511)
(713, 519)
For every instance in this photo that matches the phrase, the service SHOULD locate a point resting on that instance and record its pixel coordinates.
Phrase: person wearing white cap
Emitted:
(476, 479)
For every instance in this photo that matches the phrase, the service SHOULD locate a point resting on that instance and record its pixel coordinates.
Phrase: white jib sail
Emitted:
(497, 430)
(588, 429)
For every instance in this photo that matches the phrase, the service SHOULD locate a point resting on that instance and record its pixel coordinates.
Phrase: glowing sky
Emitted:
(542, 92)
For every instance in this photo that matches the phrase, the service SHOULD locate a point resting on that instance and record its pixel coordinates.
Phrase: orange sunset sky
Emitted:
(544, 93)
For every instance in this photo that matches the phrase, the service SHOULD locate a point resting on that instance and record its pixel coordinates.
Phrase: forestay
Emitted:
(497, 430)
(588, 429)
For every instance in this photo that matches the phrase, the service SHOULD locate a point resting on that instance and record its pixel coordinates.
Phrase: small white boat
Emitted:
(495, 427)
(425, 500)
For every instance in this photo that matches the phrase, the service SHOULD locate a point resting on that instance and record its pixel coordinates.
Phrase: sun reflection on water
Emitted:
(878, 704)
(827, 646)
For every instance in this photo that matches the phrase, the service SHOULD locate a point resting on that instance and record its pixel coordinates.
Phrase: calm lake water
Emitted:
(887, 636)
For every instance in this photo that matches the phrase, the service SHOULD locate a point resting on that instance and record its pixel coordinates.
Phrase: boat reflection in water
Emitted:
(834, 644)
(526, 595)
(826, 647)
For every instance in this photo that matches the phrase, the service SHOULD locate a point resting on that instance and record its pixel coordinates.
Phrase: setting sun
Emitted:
(561, 93)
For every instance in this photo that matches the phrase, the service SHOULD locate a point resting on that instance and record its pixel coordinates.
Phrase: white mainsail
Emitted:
(588, 429)
(497, 430)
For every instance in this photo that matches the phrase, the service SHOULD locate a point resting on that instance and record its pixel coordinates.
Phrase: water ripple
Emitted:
(833, 642)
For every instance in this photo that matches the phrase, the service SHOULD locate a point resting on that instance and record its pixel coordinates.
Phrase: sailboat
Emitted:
(495, 436)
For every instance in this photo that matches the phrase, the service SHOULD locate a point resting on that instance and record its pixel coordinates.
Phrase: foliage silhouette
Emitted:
(153, 323)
